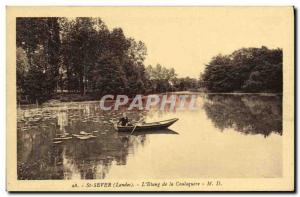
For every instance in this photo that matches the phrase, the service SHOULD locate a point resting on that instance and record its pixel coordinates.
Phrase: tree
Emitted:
(134, 67)
(246, 69)
(161, 78)
(80, 47)
(109, 76)
(186, 83)
(38, 84)
(39, 38)
(100, 60)
(22, 69)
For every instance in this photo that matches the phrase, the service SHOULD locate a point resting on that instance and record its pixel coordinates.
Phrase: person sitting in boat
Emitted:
(124, 121)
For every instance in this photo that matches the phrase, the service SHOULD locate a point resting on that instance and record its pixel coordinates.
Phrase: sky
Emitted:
(187, 38)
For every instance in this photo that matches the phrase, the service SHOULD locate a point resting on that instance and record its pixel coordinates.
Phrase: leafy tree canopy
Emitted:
(245, 70)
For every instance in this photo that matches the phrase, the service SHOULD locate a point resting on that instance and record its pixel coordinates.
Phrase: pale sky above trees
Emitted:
(187, 38)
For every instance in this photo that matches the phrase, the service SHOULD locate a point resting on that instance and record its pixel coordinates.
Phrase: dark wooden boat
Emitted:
(147, 126)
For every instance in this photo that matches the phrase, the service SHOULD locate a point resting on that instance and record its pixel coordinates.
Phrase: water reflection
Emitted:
(248, 114)
(112, 154)
(40, 158)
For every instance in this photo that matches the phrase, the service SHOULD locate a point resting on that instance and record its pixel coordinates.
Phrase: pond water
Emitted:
(228, 136)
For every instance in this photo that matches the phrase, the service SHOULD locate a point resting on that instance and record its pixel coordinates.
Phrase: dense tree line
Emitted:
(162, 79)
(245, 70)
(78, 55)
(82, 56)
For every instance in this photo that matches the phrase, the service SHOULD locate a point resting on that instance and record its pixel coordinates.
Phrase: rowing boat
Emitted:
(147, 126)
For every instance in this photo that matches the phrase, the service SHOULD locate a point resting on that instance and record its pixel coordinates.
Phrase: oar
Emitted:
(133, 129)
(136, 125)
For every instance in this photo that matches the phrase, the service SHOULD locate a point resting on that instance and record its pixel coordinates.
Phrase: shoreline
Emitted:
(65, 98)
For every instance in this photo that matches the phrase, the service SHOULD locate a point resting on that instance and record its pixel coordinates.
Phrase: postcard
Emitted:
(165, 99)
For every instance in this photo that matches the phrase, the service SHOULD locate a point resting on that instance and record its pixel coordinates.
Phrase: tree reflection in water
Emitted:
(40, 159)
(248, 114)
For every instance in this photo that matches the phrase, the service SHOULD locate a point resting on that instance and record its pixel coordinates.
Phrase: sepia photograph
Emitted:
(150, 98)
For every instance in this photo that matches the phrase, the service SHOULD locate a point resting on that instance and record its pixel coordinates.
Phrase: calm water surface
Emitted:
(229, 136)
